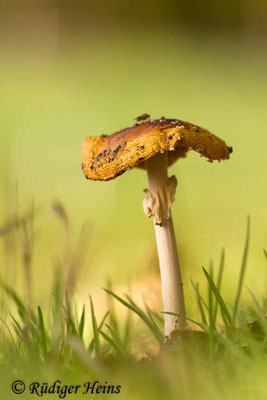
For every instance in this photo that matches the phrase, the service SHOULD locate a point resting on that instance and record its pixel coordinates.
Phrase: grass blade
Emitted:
(148, 319)
(118, 341)
(149, 313)
(132, 306)
(91, 345)
(71, 329)
(127, 329)
(95, 329)
(9, 331)
(81, 324)
(200, 301)
(219, 282)
(201, 325)
(42, 331)
(20, 306)
(113, 316)
(223, 306)
(18, 329)
(112, 342)
(261, 316)
(242, 273)
(211, 303)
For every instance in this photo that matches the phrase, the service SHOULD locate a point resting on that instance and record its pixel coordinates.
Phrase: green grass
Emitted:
(223, 355)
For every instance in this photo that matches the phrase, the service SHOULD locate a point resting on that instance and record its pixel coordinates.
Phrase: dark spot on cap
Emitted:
(140, 147)
(120, 146)
(172, 122)
(119, 173)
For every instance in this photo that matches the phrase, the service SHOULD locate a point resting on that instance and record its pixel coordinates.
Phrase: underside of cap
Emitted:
(106, 157)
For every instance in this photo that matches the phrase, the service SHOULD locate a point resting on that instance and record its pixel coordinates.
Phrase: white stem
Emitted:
(171, 279)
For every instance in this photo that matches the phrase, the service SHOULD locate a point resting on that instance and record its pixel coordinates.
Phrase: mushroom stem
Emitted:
(171, 278)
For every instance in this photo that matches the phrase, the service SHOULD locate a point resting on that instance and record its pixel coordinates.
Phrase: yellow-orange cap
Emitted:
(106, 157)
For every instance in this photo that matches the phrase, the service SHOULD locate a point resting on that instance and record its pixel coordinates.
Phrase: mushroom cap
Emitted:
(106, 157)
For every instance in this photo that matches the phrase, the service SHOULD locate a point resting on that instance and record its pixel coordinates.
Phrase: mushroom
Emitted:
(154, 145)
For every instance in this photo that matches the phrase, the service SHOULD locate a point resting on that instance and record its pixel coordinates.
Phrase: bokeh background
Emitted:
(72, 69)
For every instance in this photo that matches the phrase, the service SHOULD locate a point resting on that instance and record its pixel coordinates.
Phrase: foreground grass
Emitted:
(223, 355)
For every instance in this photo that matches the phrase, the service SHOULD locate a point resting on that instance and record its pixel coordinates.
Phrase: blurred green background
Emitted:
(69, 70)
